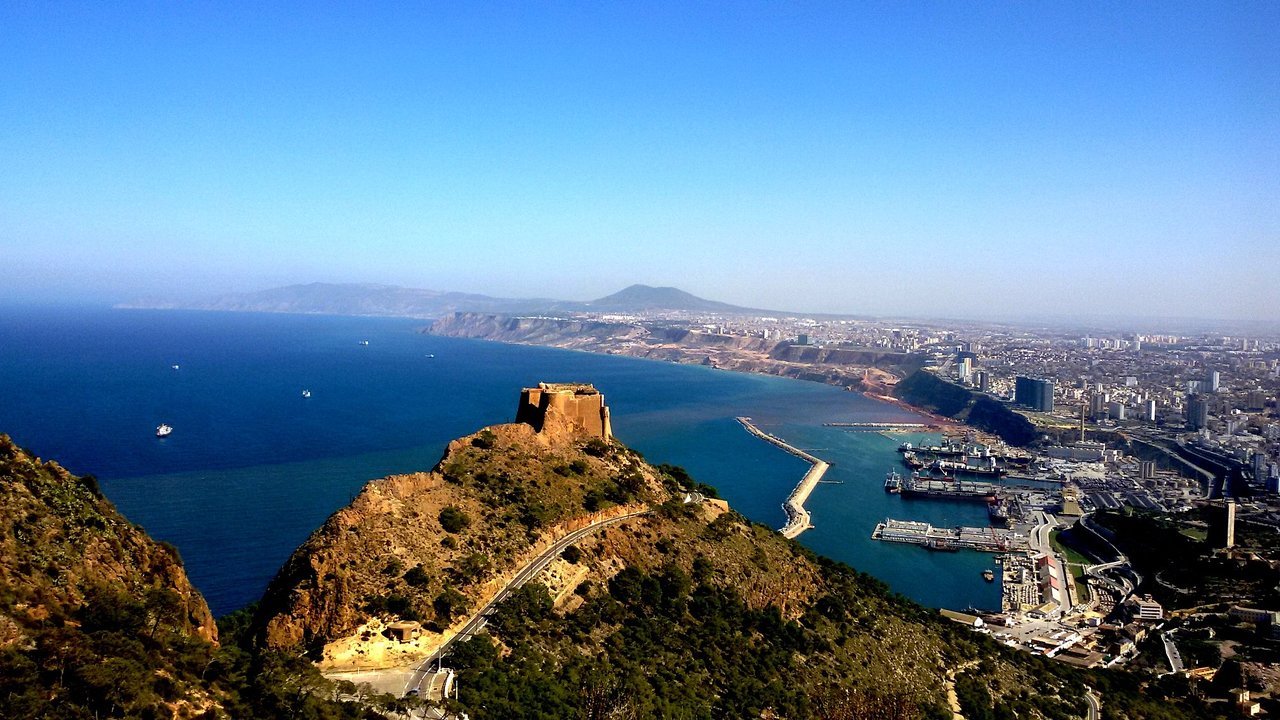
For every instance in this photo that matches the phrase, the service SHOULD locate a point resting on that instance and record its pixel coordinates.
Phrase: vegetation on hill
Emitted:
(424, 547)
(690, 611)
(98, 621)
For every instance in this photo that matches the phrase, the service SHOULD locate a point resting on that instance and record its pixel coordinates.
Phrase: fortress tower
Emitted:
(577, 408)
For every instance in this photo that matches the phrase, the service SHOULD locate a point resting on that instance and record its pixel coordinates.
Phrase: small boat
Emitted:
(431, 355)
(364, 342)
(163, 430)
(175, 367)
(989, 575)
(306, 393)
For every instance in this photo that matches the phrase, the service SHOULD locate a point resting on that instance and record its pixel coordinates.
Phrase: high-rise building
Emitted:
(1098, 405)
(802, 339)
(1146, 469)
(1222, 525)
(1212, 381)
(964, 370)
(1149, 411)
(983, 380)
(1260, 463)
(1035, 393)
(1197, 412)
(1256, 400)
(1116, 410)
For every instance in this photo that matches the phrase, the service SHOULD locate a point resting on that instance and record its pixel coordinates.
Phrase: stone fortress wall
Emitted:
(576, 407)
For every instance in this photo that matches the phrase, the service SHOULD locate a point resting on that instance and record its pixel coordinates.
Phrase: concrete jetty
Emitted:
(798, 519)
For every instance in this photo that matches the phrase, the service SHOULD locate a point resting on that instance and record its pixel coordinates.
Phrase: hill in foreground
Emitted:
(688, 611)
(97, 620)
(684, 611)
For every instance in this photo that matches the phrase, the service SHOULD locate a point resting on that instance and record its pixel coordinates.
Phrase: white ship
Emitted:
(163, 430)
(175, 367)
(306, 393)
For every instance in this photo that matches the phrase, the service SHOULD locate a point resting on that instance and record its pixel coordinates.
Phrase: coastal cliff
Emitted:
(930, 392)
(847, 367)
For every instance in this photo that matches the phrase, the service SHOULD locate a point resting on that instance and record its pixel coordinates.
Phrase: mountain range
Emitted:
(372, 299)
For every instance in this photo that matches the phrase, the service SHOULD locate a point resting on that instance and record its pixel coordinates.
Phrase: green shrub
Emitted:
(453, 520)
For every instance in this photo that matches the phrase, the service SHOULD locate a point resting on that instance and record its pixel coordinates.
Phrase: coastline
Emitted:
(798, 518)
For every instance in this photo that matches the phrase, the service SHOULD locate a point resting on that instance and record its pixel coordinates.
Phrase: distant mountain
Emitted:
(638, 298)
(391, 300)
(358, 299)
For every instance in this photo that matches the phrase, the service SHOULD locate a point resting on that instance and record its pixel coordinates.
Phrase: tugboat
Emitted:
(892, 482)
(163, 430)
(989, 575)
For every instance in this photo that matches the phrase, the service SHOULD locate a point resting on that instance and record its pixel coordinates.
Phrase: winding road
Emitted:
(524, 575)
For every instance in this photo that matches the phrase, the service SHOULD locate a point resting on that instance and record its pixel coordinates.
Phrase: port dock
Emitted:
(798, 519)
(877, 425)
(985, 539)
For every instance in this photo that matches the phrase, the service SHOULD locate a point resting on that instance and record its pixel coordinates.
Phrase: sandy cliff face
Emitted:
(60, 540)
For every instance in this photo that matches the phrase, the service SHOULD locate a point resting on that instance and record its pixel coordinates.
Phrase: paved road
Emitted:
(1171, 651)
(527, 573)
(1095, 704)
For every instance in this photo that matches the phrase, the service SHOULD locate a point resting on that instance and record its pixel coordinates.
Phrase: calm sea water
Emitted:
(253, 467)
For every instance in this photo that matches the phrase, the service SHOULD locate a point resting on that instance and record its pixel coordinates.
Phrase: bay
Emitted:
(253, 467)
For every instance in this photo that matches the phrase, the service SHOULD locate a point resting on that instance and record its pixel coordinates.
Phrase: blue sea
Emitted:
(252, 467)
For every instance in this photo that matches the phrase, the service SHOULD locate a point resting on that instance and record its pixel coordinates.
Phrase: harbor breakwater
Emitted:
(798, 518)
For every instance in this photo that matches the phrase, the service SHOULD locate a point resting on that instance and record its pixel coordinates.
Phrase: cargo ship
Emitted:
(963, 466)
(918, 485)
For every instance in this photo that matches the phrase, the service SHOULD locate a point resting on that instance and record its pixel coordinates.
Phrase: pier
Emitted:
(798, 519)
(993, 540)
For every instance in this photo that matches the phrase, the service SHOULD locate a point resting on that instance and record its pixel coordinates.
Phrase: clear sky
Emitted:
(946, 158)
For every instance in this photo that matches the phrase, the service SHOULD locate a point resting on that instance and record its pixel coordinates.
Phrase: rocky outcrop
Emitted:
(61, 541)
(925, 390)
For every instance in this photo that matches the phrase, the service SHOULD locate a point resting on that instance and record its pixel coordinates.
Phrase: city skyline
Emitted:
(902, 160)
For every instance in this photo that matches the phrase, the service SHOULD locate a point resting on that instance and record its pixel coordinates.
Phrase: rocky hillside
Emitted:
(687, 611)
(429, 546)
(62, 542)
(94, 614)
(98, 621)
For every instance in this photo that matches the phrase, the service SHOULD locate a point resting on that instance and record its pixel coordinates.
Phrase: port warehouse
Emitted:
(921, 533)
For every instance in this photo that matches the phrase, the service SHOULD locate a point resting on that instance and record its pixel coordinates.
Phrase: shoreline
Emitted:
(798, 518)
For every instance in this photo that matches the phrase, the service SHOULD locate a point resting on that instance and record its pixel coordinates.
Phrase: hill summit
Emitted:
(638, 298)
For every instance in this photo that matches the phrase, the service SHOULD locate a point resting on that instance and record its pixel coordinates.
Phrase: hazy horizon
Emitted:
(903, 160)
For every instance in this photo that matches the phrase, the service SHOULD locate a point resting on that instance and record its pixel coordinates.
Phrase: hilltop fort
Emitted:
(575, 408)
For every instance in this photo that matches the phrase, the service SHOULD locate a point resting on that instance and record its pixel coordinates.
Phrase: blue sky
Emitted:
(963, 159)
